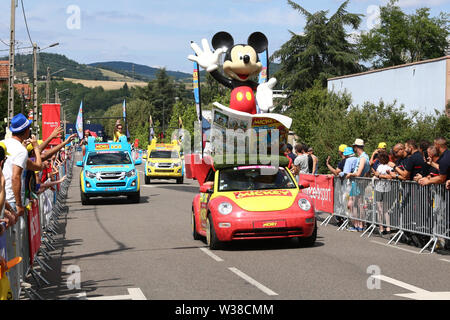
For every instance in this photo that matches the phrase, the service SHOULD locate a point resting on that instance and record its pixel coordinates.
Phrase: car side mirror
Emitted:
(80, 164)
(206, 189)
(304, 185)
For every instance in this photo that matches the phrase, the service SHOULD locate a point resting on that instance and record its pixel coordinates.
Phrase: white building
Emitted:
(421, 86)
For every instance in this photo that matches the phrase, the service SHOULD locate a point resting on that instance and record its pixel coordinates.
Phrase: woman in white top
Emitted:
(382, 189)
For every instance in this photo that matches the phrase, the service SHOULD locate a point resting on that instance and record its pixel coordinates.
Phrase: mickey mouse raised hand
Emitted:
(206, 59)
(241, 63)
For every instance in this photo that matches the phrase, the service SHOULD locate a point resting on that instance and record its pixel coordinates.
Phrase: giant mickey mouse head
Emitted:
(240, 65)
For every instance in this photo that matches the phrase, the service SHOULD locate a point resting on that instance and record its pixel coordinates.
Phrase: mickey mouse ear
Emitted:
(258, 41)
(222, 39)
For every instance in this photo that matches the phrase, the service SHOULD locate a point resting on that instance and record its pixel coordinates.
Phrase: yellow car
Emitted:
(164, 161)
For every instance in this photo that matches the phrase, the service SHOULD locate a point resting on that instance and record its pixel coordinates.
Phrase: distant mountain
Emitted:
(57, 62)
(137, 71)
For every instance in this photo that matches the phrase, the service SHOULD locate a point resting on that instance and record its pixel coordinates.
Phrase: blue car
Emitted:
(109, 171)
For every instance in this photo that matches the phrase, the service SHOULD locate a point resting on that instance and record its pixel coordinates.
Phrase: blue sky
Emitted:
(158, 32)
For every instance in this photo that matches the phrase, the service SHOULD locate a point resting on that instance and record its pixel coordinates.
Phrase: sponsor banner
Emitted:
(321, 191)
(34, 229)
(51, 119)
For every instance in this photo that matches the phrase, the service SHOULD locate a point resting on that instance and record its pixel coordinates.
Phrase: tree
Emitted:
(324, 120)
(321, 52)
(402, 38)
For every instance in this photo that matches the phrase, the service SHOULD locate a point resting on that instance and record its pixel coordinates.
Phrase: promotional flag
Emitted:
(51, 119)
(124, 107)
(151, 135)
(264, 72)
(263, 76)
(196, 79)
(79, 123)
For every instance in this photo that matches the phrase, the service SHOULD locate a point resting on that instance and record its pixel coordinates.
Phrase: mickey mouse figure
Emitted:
(240, 65)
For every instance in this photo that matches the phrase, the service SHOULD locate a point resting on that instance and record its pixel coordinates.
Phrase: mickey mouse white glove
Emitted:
(264, 95)
(206, 58)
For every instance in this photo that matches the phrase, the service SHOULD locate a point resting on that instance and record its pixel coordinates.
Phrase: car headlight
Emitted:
(151, 164)
(131, 173)
(177, 164)
(225, 208)
(304, 204)
(90, 175)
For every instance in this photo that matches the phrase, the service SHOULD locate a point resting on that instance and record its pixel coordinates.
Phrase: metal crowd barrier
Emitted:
(401, 206)
(51, 206)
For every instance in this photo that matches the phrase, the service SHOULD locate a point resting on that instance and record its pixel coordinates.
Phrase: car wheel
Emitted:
(180, 180)
(147, 180)
(195, 234)
(84, 199)
(309, 241)
(211, 237)
(135, 198)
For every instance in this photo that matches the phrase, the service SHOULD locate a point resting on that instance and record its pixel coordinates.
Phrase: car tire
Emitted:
(180, 180)
(147, 180)
(211, 237)
(135, 198)
(195, 234)
(84, 199)
(309, 241)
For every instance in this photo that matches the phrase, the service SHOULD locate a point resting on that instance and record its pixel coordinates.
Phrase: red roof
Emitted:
(4, 70)
(25, 87)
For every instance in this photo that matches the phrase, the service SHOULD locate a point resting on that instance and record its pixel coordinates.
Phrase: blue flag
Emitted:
(124, 107)
(79, 124)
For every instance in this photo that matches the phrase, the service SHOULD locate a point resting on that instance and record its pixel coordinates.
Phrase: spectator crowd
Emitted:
(425, 163)
(28, 168)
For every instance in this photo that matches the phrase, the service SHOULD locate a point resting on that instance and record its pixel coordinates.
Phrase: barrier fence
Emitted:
(32, 237)
(404, 207)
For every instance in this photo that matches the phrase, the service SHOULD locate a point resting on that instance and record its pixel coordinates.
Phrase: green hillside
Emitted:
(24, 63)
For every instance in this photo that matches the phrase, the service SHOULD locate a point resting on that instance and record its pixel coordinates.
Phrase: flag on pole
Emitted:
(151, 135)
(264, 74)
(79, 124)
(124, 108)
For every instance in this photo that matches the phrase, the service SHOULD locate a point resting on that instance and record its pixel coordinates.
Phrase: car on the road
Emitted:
(252, 202)
(109, 171)
(164, 161)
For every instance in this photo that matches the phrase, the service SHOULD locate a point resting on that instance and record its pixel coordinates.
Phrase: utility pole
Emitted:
(35, 91)
(47, 87)
(11, 62)
(56, 96)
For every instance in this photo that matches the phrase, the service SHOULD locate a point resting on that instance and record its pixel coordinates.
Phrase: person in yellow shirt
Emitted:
(118, 131)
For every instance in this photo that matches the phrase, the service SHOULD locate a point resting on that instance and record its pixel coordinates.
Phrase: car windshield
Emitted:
(107, 158)
(252, 178)
(164, 155)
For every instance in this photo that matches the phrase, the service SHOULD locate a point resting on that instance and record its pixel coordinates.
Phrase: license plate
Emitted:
(111, 189)
(269, 224)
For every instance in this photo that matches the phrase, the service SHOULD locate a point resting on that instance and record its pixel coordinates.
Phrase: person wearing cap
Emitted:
(361, 170)
(17, 162)
(374, 163)
(350, 162)
(340, 167)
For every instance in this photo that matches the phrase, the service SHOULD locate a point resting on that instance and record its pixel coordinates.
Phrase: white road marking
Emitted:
(419, 294)
(212, 255)
(134, 294)
(253, 282)
(445, 260)
(394, 247)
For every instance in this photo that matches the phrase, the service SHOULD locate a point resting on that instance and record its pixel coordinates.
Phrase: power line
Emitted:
(26, 23)
(6, 44)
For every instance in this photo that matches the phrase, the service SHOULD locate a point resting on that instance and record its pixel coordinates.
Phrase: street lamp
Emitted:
(47, 98)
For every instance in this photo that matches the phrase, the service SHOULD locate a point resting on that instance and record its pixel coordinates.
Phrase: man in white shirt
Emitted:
(16, 163)
(301, 162)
